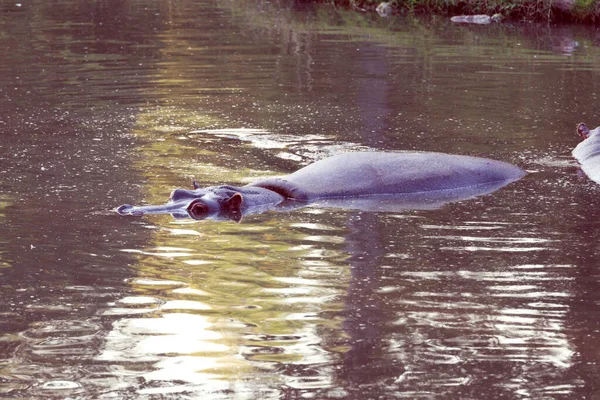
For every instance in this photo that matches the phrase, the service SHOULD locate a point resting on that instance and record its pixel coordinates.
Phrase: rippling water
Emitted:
(105, 103)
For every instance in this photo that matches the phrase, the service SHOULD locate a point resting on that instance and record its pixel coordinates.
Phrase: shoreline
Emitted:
(583, 11)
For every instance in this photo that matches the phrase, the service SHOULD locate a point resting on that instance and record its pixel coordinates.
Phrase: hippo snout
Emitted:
(124, 209)
(128, 209)
(178, 209)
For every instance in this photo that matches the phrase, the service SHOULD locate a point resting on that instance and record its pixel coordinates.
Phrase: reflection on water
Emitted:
(106, 103)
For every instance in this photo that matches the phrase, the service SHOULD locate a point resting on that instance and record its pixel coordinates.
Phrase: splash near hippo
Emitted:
(379, 181)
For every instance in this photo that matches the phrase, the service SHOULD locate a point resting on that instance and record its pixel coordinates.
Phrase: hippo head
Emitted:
(583, 130)
(217, 202)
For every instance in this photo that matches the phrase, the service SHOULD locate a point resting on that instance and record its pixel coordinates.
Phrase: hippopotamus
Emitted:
(383, 181)
(587, 153)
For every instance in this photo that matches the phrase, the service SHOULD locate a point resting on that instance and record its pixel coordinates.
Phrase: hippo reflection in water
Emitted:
(373, 181)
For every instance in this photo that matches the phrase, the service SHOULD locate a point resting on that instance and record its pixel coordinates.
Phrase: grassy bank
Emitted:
(548, 10)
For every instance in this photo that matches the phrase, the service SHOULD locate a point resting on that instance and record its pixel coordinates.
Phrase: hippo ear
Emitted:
(195, 184)
(583, 130)
(233, 207)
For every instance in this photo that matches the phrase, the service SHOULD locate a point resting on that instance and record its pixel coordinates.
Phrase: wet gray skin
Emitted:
(215, 202)
(378, 181)
(587, 153)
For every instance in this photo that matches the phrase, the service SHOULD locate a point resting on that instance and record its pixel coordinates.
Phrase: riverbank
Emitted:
(540, 10)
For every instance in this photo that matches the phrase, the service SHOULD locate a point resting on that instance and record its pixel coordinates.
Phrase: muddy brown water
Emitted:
(105, 103)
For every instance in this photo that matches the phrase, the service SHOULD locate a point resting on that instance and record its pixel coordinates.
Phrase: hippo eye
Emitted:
(197, 209)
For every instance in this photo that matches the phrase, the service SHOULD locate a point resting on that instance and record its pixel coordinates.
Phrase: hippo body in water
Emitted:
(587, 153)
(363, 180)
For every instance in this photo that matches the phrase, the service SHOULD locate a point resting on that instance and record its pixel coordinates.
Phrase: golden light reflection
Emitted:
(176, 333)
(184, 368)
(185, 305)
(250, 283)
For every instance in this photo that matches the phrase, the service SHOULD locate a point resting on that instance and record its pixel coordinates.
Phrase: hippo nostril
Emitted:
(124, 209)
(127, 209)
(197, 209)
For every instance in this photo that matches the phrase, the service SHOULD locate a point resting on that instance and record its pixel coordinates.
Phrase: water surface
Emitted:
(105, 103)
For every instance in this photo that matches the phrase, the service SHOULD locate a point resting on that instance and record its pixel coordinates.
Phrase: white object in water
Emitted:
(588, 152)
(384, 9)
(480, 19)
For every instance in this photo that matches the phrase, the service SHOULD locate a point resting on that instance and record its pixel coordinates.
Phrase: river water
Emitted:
(104, 103)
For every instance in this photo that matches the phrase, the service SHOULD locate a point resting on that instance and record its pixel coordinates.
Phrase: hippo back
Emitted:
(376, 173)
